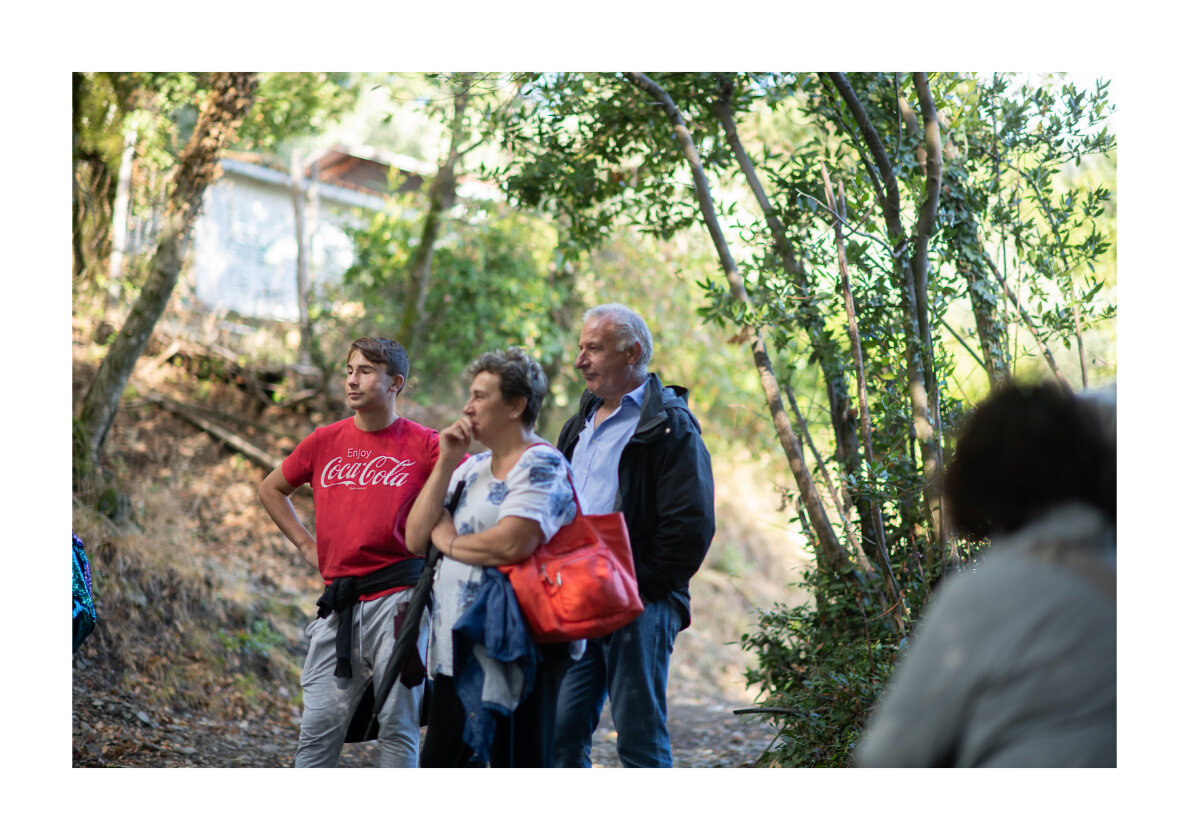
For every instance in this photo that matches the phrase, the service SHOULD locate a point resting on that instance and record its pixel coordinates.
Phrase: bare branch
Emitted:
(1027, 321)
(892, 588)
(961, 341)
(835, 218)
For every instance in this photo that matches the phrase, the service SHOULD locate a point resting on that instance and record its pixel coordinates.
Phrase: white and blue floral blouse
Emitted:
(538, 487)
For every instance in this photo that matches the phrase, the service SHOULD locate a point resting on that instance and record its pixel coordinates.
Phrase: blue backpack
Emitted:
(84, 606)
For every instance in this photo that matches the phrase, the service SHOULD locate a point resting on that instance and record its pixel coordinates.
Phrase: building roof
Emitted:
(357, 168)
(350, 196)
(367, 168)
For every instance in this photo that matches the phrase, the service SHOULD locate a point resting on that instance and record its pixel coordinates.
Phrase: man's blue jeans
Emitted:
(631, 666)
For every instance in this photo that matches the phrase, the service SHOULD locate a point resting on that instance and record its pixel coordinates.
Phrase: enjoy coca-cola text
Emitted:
(382, 470)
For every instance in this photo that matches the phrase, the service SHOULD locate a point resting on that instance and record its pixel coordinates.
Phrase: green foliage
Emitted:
(1031, 148)
(1015, 202)
(259, 638)
(163, 109)
(157, 112)
(290, 105)
(589, 148)
(493, 287)
(821, 668)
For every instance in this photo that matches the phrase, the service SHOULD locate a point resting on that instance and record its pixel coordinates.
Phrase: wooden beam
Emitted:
(226, 436)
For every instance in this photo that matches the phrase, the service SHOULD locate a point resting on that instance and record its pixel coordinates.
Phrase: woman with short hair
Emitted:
(515, 496)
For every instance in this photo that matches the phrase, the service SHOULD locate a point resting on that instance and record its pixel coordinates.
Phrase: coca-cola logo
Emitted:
(381, 471)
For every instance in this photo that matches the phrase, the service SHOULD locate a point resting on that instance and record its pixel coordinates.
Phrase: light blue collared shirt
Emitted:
(595, 460)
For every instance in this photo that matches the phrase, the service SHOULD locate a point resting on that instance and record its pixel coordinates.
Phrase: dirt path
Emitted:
(117, 729)
(704, 731)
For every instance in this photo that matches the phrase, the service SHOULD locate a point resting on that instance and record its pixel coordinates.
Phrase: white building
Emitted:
(244, 253)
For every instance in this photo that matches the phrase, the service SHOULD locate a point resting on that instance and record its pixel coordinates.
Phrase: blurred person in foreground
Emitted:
(365, 473)
(1014, 662)
(516, 496)
(635, 447)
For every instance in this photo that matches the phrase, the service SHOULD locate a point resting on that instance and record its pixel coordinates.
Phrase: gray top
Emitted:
(1014, 663)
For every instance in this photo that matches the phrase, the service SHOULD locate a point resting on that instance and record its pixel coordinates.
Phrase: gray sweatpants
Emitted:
(329, 701)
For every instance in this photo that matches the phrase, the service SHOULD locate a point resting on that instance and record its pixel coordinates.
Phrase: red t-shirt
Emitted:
(364, 485)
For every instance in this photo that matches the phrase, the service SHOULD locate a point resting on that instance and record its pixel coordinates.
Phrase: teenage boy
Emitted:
(365, 473)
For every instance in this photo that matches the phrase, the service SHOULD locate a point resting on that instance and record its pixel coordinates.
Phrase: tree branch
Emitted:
(1075, 305)
(722, 109)
(881, 546)
(1027, 321)
(961, 341)
(851, 229)
(832, 550)
(872, 172)
(890, 201)
(928, 211)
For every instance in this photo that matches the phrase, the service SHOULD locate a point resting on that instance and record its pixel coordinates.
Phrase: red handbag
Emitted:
(582, 583)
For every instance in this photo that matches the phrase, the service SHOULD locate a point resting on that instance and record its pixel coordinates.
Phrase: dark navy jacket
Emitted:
(666, 491)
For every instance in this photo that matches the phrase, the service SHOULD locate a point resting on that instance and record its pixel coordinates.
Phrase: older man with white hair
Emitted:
(635, 447)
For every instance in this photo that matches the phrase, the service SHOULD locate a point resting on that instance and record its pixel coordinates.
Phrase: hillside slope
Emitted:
(197, 655)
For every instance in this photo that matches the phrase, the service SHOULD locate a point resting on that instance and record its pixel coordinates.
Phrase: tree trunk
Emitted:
(891, 588)
(441, 199)
(926, 217)
(914, 302)
(810, 318)
(119, 220)
(831, 549)
(77, 83)
(229, 100)
(296, 178)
